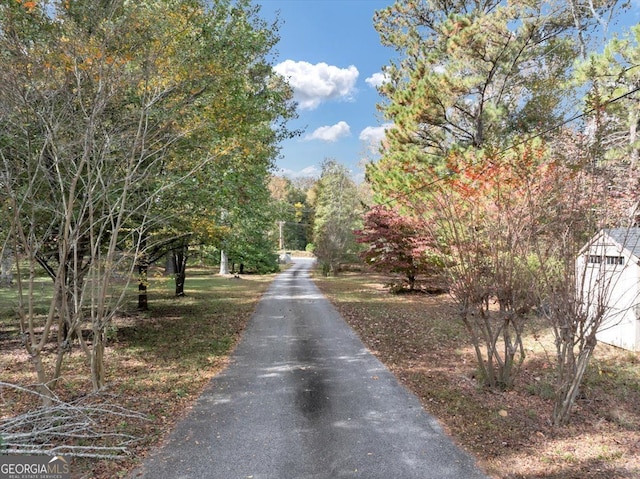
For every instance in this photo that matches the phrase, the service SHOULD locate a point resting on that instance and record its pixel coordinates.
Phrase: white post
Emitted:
(224, 262)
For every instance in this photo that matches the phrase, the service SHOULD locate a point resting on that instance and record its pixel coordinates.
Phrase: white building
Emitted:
(608, 274)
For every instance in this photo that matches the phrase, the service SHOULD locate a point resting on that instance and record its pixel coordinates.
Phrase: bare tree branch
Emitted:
(57, 429)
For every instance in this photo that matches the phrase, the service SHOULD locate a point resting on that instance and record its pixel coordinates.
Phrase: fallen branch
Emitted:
(57, 429)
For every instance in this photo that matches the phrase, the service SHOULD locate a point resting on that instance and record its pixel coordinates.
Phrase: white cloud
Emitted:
(330, 133)
(313, 84)
(374, 134)
(377, 79)
(309, 171)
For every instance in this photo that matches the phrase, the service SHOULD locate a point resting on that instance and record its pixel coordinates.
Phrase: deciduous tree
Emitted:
(399, 244)
(294, 214)
(108, 108)
(338, 213)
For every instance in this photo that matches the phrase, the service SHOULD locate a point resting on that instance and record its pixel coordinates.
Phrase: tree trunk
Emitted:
(97, 360)
(46, 395)
(634, 119)
(224, 262)
(6, 265)
(180, 261)
(570, 380)
(143, 302)
(59, 358)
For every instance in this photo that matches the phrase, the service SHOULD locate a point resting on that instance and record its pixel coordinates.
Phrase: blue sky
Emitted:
(332, 55)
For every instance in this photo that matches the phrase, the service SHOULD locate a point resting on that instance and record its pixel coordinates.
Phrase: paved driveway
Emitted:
(303, 398)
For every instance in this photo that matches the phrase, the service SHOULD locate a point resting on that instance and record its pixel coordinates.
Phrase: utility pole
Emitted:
(281, 242)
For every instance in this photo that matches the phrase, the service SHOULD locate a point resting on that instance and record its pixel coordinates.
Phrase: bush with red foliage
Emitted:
(398, 244)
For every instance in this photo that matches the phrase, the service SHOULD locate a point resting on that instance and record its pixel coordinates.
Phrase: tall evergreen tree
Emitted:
(612, 107)
(472, 74)
(474, 97)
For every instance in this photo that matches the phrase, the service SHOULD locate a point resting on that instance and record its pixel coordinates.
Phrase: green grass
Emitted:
(157, 361)
(9, 300)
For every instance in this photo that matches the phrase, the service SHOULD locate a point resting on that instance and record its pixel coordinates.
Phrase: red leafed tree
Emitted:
(398, 244)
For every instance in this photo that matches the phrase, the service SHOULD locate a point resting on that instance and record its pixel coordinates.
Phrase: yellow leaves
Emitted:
(299, 211)
(95, 57)
(207, 228)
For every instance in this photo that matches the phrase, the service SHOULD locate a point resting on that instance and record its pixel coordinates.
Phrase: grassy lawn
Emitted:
(158, 361)
(418, 338)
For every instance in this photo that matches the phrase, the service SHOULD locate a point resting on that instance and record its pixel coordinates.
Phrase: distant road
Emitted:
(303, 398)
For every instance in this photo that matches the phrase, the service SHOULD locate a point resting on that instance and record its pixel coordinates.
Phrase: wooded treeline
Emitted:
(129, 131)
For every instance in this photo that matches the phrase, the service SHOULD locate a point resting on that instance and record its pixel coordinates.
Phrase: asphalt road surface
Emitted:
(304, 399)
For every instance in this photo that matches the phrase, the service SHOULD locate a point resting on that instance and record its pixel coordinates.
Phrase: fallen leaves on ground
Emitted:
(418, 337)
(158, 362)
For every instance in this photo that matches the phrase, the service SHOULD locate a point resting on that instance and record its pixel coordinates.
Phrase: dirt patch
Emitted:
(420, 340)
